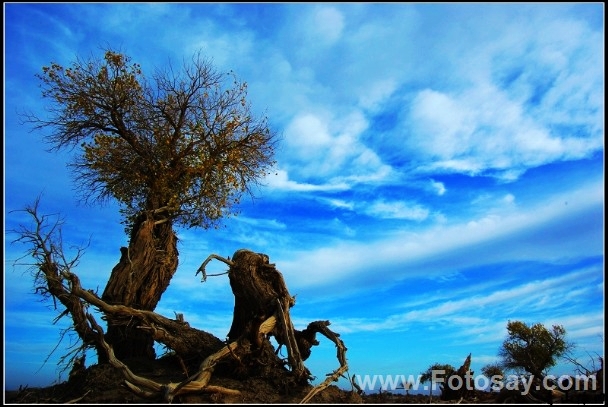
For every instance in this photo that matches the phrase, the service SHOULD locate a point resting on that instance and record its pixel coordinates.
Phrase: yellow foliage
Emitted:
(196, 151)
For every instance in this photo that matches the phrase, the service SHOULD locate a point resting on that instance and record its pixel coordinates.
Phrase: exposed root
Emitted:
(76, 400)
(322, 327)
(261, 283)
(152, 390)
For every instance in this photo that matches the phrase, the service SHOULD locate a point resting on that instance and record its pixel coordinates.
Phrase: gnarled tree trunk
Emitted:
(138, 280)
(260, 292)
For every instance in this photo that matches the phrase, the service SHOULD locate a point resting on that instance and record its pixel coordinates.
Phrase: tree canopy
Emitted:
(177, 148)
(533, 348)
(185, 145)
(445, 368)
(439, 371)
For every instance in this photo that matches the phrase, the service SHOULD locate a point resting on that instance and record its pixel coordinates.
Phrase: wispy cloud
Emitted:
(397, 210)
(280, 180)
(486, 240)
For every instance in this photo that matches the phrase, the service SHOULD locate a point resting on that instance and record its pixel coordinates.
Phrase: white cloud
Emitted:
(515, 98)
(328, 23)
(272, 224)
(341, 228)
(338, 203)
(279, 180)
(508, 199)
(452, 133)
(438, 187)
(321, 146)
(443, 125)
(308, 133)
(376, 93)
(397, 210)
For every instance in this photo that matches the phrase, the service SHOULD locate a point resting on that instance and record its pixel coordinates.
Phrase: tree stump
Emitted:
(463, 385)
(260, 292)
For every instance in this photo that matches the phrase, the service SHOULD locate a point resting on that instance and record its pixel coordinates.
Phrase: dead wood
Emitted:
(259, 291)
(152, 390)
(262, 309)
(178, 335)
(465, 377)
(322, 327)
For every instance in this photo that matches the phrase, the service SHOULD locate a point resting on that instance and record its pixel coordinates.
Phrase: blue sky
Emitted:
(441, 172)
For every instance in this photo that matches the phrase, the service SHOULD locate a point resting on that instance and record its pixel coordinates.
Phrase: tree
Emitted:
(436, 371)
(589, 375)
(262, 304)
(179, 150)
(533, 348)
(495, 373)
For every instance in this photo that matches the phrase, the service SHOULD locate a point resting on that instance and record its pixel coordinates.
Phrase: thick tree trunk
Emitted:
(138, 280)
(256, 285)
(260, 292)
